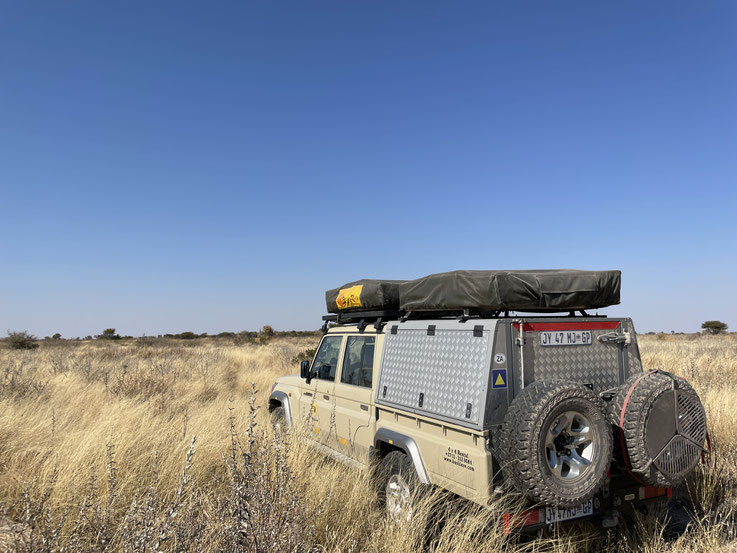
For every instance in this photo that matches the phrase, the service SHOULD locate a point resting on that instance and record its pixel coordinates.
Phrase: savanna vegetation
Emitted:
(160, 444)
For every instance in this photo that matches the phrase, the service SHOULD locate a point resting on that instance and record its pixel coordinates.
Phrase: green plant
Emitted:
(21, 339)
(306, 355)
(265, 334)
(108, 334)
(244, 337)
(714, 327)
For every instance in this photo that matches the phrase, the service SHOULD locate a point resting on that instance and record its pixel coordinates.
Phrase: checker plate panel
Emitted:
(451, 369)
(596, 364)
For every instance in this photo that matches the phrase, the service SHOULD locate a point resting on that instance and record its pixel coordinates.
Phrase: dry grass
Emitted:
(96, 454)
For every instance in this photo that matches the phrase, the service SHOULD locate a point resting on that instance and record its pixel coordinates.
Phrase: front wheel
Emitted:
(278, 419)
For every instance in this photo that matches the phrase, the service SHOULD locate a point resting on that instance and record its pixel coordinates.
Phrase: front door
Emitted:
(353, 397)
(316, 401)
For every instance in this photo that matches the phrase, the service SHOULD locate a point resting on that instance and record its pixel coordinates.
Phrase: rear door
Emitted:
(353, 396)
(597, 352)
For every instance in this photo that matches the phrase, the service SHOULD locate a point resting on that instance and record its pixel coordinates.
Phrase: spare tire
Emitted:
(661, 427)
(556, 443)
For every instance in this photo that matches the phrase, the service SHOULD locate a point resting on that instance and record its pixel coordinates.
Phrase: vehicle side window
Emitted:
(326, 360)
(358, 361)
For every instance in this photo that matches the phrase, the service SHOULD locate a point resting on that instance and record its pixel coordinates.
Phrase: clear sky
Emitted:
(211, 166)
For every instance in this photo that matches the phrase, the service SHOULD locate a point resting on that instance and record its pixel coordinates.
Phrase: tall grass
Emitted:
(97, 454)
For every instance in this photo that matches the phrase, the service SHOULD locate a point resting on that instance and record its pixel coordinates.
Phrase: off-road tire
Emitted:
(522, 451)
(278, 419)
(633, 452)
(398, 465)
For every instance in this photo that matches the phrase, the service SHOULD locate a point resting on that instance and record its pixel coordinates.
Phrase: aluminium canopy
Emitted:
(552, 290)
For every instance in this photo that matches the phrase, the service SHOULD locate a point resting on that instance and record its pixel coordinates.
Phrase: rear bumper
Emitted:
(608, 506)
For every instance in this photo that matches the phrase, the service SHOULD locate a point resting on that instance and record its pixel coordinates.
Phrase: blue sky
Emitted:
(171, 166)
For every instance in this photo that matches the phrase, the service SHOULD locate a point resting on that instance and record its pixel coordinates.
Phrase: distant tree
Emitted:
(265, 334)
(56, 336)
(21, 340)
(108, 334)
(187, 335)
(714, 327)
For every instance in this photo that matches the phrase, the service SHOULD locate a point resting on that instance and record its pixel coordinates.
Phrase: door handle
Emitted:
(364, 407)
(325, 396)
(308, 394)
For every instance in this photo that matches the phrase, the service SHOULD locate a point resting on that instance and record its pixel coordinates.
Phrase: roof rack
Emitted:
(380, 317)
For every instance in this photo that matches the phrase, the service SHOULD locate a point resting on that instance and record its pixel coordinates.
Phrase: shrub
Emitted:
(306, 355)
(265, 334)
(245, 337)
(21, 340)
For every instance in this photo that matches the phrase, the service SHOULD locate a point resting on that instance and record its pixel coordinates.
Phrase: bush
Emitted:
(306, 355)
(21, 340)
(244, 337)
(265, 334)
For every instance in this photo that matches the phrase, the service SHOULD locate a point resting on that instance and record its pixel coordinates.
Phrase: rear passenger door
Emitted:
(353, 397)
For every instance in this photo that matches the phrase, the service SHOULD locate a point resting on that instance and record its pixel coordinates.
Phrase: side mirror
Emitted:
(304, 371)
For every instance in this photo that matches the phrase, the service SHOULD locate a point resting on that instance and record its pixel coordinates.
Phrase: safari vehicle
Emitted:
(489, 382)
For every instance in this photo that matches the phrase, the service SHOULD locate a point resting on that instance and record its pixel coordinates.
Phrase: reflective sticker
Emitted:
(349, 297)
(499, 378)
(500, 358)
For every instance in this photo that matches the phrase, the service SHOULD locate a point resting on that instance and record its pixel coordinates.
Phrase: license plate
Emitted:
(553, 515)
(566, 338)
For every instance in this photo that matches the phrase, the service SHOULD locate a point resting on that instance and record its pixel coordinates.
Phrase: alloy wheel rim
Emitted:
(398, 499)
(570, 446)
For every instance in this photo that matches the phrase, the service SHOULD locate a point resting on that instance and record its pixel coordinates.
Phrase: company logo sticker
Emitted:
(499, 378)
(349, 297)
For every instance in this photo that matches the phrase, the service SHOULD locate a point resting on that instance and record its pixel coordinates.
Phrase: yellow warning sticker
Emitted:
(499, 378)
(349, 297)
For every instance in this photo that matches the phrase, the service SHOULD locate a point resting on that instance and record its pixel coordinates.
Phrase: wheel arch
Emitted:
(386, 440)
(281, 399)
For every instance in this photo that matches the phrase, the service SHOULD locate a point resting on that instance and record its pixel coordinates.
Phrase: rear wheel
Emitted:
(399, 487)
(556, 443)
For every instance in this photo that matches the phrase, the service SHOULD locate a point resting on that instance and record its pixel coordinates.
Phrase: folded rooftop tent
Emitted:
(481, 291)
(364, 295)
(535, 291)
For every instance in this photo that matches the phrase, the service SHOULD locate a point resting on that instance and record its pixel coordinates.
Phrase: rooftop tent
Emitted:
(364, 295)
(528, 290)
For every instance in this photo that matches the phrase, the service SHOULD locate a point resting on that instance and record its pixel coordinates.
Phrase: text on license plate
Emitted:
(559, 515)
(566, 338)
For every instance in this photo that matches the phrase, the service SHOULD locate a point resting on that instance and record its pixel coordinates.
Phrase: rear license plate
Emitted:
(553, 515)
(566, 338)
